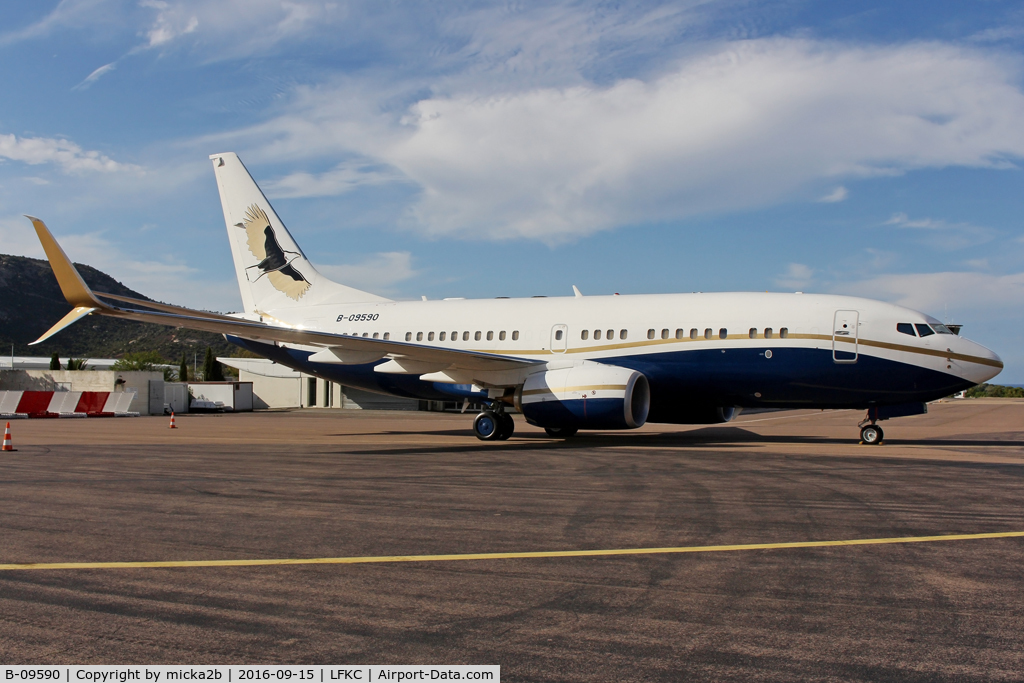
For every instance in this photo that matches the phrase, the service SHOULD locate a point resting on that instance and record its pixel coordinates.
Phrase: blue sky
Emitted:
(512, 149)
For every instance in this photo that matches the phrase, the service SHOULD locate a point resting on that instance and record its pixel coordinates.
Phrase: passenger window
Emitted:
(515, 335)
(408, 336)
(767, 333)
(680, 333)
(558, 335)
(664, 334)
(597, 334)
(366, 334)
(387, 335)
(476, 336)
(708, 332)
(455, 336)
(723, 333)
(584, 334)
(441, 336)
(753, 333)
(501, 336)
(610, 335)
(430, 336)
(419, 336)
(490, 336)
(650, 334)
(465, 336)
(375, 334)
(783, 332)
(622, 334)
(923, 330)
(693, 333)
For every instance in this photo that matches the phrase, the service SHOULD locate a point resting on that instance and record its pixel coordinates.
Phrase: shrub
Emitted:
(138, 360)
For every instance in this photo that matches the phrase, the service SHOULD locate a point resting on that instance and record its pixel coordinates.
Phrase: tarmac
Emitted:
(382, 501)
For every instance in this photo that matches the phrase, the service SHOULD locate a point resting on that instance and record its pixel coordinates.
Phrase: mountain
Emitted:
(31, 302)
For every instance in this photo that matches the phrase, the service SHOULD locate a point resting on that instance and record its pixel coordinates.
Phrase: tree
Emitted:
(183, 369)
(54, 362)
(211, 368)
(994, 391)
(137, 360)
(77, 364)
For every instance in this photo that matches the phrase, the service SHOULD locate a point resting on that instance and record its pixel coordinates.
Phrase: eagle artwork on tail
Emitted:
(274, 262)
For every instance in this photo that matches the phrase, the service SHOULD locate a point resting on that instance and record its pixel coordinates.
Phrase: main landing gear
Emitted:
(493, 425)
(870, 433)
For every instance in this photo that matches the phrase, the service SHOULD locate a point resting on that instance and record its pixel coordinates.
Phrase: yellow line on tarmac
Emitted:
(505, 556)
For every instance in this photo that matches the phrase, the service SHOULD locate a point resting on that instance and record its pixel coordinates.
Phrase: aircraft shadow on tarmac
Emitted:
(708, 437)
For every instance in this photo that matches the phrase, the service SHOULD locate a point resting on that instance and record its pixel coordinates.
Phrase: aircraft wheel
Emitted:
(486, 426)
(506, 425)
(871, 435)
(561, 432)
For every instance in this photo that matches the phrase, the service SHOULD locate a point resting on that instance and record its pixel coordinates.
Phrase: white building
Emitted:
(277, 386)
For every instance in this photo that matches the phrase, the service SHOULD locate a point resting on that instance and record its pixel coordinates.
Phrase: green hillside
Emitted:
(31, 302)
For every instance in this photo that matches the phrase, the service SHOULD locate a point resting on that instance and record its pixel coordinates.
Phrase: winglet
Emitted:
(76, 313)
(71, 283)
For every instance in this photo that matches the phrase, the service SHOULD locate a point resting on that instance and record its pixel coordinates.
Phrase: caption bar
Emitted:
(244, 674)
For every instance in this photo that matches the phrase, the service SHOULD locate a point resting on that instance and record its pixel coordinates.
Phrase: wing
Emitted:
(256, 224)
(288, 281)
(412, 355)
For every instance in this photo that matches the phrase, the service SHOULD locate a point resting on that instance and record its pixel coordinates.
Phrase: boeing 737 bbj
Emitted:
(568, 363)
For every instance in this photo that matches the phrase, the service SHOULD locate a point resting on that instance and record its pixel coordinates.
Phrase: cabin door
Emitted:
(559, 338)
(845, 330)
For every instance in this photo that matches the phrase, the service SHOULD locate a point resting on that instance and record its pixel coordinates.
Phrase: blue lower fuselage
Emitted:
(682, 381)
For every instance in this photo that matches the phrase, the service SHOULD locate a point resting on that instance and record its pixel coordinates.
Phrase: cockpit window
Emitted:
(905, 328)
(923, 329)
(941, 329)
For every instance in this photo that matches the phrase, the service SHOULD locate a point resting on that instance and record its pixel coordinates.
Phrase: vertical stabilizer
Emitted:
(272, 271)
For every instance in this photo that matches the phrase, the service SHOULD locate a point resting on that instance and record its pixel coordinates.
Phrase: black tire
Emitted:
(871, 435)
(487, 426)
(506, 426)
(561, 432)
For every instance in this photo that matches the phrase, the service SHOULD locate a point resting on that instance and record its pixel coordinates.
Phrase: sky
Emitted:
(482, 149)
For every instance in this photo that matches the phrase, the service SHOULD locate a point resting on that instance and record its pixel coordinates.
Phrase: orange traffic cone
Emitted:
(172, 426)
(7, 438)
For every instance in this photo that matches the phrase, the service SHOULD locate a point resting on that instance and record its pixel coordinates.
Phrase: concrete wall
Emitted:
(148, 386)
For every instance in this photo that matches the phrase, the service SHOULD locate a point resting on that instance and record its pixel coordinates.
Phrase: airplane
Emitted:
(565, 363)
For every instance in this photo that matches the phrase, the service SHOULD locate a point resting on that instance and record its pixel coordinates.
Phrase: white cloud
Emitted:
(963, 291)
(65, 154)
(67, 13)
(998, 34)
(95, 76)
(339, 180)
(376, 274)
(943, 234)
(748, 125)
(798, 276)
(837, 195)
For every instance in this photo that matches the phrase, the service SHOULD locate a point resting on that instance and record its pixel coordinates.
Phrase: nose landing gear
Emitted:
(493, 425)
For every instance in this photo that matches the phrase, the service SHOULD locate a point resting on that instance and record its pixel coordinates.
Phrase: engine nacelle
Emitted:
(587, 397)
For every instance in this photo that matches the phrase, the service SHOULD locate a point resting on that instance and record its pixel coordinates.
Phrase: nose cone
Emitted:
(981, 364)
